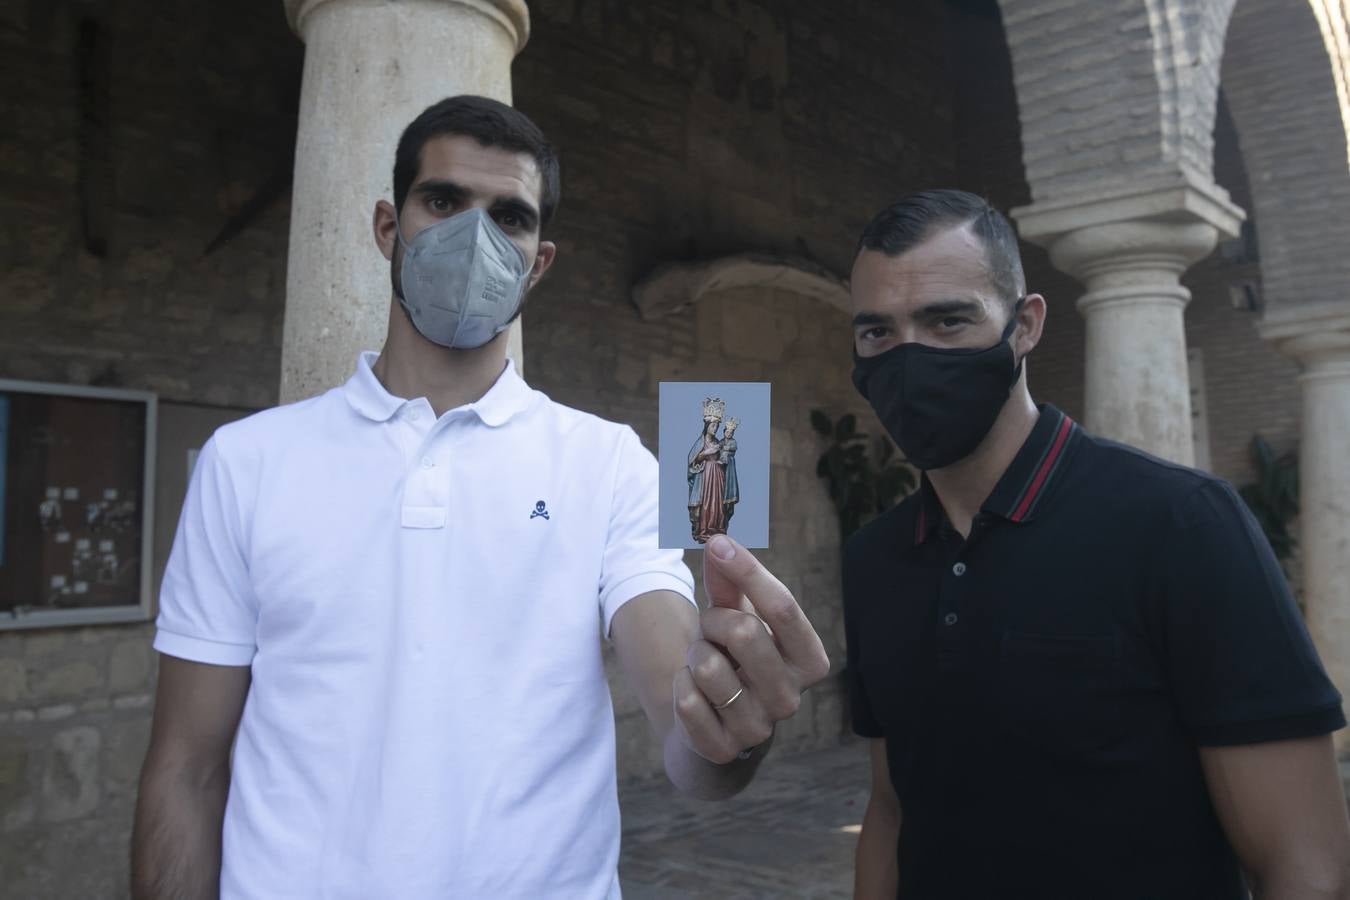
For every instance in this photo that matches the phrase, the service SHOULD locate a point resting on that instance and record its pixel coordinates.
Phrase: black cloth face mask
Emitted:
(938, 404)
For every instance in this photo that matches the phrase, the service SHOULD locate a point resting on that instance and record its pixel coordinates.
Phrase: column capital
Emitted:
(511, 15)
(1172, 199)
(1132, 245)
(1317, 335)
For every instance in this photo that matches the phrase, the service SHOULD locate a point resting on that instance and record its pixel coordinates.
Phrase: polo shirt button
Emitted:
(427, 462)
(949, 619)
(959, 569)
(414, 415)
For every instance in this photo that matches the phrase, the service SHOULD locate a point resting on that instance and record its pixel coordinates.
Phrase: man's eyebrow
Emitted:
(871, 318)
(947, 308)
(440, 186)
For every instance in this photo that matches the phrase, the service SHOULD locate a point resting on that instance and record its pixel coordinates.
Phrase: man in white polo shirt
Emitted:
(387, 600)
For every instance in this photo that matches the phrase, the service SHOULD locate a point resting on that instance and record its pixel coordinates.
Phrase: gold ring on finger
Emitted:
(734, 698)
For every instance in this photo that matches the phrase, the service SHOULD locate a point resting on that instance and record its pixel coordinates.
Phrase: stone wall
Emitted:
(74, 717)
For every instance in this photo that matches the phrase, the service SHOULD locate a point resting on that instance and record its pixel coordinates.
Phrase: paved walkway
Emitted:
(790, 834)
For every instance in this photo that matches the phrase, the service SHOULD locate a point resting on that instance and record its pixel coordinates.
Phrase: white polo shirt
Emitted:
(421, 601)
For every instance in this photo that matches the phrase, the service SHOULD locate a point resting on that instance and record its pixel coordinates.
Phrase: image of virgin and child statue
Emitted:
(714, 489)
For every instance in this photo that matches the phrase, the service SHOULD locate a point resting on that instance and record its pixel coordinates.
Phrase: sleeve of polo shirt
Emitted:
(865, 723)
(633, 562)
(207, 609)
(1243, 668)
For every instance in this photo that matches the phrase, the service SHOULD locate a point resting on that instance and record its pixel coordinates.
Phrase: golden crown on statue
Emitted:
(713, 409)
(732, 423)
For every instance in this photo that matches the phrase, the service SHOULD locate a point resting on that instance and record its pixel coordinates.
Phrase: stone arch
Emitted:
(677, 286)
(1284, 83)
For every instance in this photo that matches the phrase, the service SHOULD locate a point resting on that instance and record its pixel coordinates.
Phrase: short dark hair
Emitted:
(904, 225)
(490, 123)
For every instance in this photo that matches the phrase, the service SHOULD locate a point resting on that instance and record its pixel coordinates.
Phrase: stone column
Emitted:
(1130, 250)
(1318, 337)
(370, 67)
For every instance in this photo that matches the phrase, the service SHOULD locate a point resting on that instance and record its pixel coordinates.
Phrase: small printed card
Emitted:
(714, 451)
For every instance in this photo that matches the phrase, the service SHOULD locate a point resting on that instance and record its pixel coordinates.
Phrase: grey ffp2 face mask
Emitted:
(462, 280)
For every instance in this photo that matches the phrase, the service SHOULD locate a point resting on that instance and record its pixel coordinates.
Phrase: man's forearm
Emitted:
(706, 780)
(176, 840)
(877, 874)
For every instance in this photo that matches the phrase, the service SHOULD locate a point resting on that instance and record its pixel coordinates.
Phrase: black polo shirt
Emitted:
(1043, 686)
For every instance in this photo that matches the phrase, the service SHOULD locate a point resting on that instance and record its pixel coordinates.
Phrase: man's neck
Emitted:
(411, 366)
(963, 487)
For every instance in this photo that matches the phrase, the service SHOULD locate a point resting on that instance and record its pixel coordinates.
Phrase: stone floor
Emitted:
(790, 834)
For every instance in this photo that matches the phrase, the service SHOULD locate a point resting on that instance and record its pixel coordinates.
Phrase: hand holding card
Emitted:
(755, 655)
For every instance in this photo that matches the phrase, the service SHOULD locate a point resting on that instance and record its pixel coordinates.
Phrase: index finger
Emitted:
(730, 570)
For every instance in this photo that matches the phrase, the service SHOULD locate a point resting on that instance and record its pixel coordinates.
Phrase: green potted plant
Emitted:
(866, 477)
(1273, 497)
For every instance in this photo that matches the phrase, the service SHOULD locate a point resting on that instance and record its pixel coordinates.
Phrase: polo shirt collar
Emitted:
(1020, 491)
(508, 395)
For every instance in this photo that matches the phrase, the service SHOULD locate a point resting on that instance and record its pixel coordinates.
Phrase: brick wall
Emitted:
(1103, 90)
(186, 110)
(1250, 387)
(1278, 83)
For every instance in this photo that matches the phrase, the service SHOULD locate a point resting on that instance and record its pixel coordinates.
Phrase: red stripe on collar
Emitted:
(1065, 426)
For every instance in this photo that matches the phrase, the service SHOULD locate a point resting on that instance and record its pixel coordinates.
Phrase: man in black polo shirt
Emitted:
(1080, 666)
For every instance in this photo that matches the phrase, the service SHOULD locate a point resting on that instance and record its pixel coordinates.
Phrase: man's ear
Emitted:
(385, 225)
(543, 258)
(1030, 324)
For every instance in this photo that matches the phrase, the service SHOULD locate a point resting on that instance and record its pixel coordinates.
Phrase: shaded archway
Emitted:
(1284, 79)
(1280, 83)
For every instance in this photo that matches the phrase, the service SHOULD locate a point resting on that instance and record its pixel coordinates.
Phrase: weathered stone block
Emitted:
(44, 643)
(13, 681)
(69, 680)
(13, 764)
(133, 701)
(56, 712)
(129, 665)
(758, 329)
(630, 374)
(70, 787)
(18, 814)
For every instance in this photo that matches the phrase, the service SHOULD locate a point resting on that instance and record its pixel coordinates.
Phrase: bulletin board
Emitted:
(76, 504)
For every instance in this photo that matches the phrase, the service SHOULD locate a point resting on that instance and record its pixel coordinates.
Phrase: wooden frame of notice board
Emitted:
(77, 485)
